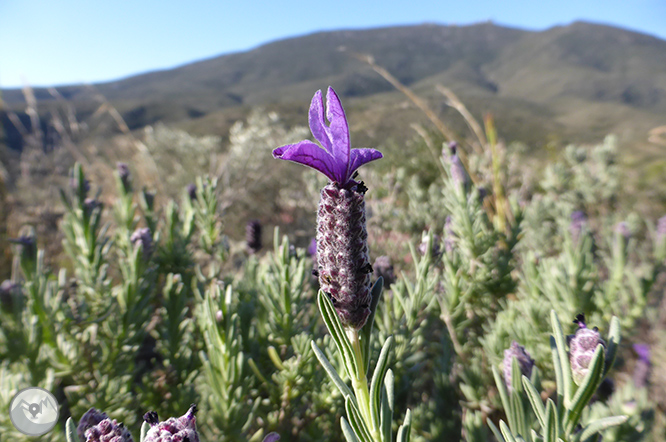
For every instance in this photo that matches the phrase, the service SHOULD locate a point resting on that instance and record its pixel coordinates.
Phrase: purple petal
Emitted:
(339, 131)
(318, 126)
(360, 157)
(309, 154)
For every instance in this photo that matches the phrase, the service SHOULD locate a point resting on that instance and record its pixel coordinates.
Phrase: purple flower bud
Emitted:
(458, 172)
(525, 362)
(449, 238)
(271, 437)
(90, 204)
(642, 367)
(434, 251)
(27, 247)
(124, 174)
(384, 268)
(219, 316)
(581, 348)
(144, 237)
(623, 229)
(253, 236)
(108, 430)
(74, 185)
(342, 252)
(8, 289)
(312, 248)
(174, 429)
(661, 228)
(149, 198)
(578, 222)
(192, 191)
(91, 418)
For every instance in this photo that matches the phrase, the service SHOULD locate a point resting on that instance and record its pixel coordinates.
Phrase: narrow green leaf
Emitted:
(600, 425)
(557, 366)
(145, 426)
(518, 415)
(386, 411)
(501, 388)
(496, 432)
(356, 420)
(347, 430)
(613, 343)
(560, 341)
(535, 436)
(535, 401)
(336, 330)
(332, 372)
(506, 432)
(550, 432)
(587, 388)
(405, 430)
(70, 430)
(378, 380)
(366, 331)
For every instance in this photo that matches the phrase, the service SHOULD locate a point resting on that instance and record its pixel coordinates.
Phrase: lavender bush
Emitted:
(155, 308)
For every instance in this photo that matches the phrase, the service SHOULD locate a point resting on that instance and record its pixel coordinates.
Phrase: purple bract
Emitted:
(337, 160)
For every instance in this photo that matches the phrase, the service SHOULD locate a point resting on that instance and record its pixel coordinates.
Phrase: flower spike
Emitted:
(335, 158)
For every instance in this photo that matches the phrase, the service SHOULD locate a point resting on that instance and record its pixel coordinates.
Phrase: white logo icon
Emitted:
(34, 411)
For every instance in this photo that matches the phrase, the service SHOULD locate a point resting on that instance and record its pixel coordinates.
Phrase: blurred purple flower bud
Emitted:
(74, 185)
(90, 204)
(174, 429)
(383, 267)
(449, 238)
(27, 247)
(271, 437)
(578, 223)
(623, 229)
(192, 191)
(312, 248)
(253, 236)
(458, 172)
(124, 175)
(91, 418)
(661, 228)
(642, 367)
(108, 430)
(219, 316)
(149, 198)
(435, 250)
(8, 289)
(525, 362)
(581, 348)
(144, 237)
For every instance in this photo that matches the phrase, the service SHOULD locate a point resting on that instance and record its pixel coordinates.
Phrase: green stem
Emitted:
(360, 384)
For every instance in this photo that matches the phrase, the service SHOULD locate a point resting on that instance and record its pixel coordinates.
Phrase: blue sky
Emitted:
(49, 42)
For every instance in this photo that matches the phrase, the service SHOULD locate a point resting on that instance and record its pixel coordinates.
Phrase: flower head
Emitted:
(525, 362)
(581, 348)
(91, 418)
(174, 429)
(337, 160)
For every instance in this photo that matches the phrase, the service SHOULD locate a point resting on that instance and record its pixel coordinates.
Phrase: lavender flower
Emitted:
(108, 430)
(343, 265)
(174, 429)
(27, 247)
(525, 362)
(192, 191)
(458, 172)
(337, 160)
(253, 236)
(642, 367)
(384, 268)
(144, 237)
(91, 418)
(7, 291)
(124, 175)
(581, 348)
(578, 222)
(623, 229)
